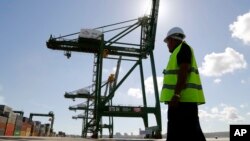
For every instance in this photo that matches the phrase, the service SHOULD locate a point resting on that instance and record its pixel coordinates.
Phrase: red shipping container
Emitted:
(24, 127)
(2, 125)
(9, 129)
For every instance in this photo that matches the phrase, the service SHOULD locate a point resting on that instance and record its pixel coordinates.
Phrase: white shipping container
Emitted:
(5, 108)
(12, 118)
(3, 119)
(90, 34)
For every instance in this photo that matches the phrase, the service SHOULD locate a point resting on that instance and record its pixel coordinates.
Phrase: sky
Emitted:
(34, 78)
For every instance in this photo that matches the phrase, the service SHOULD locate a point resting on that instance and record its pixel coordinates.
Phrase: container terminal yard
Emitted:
(103, 110)
(15, 127)
(98, 96)
(12, 123)
(69, 139)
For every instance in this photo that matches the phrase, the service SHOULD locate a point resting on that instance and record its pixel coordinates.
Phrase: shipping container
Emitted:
(2, 125)
(18, 125)
(17, 133)
(23, 133)
(35, 128)
(2, 132)
(19, 119)
(25, 119)
(4, 108)
(7, 114)
(9, 131)
(12, 118)
(24, 129)
(47, 129)
(42, 130)
(28, 131)
(3, 119)
(3, 122)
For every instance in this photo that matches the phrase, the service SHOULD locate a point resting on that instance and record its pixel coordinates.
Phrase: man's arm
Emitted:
(181, 83)
(182, 77)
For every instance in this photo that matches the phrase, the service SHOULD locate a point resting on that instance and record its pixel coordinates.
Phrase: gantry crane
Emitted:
(21, 113)
(88, 106)
(81, 116)
(50, 114)
(101, 47)
(88, 93)
(87, 118)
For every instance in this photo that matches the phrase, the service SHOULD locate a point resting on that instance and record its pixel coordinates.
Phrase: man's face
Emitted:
(170, 44)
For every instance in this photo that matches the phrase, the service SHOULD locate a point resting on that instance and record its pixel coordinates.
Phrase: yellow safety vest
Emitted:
(192, 92)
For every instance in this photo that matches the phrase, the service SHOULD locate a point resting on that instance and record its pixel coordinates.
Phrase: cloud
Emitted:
(217, 81)
(242, 81)
(230, 114)
(215, 110)
(149, 87)
(223, 113)
(218, 64)
(2, 98)
(114, 70)
(135, 92)
(243, 105)
(241, 28)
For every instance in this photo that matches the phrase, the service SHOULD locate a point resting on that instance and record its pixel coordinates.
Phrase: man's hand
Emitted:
(174, 101)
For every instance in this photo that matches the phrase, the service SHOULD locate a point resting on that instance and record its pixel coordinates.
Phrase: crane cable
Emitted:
(102, 27)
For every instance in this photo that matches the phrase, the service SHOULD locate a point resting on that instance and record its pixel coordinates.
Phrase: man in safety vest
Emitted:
(182, 90)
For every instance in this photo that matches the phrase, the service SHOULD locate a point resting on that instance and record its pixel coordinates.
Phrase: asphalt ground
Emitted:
(11, 138)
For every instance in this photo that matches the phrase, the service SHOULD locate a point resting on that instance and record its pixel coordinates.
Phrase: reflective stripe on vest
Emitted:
(193, 89)
(188, 85)
(176, 71)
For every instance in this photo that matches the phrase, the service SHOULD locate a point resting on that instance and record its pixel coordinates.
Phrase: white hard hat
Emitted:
(176, 33)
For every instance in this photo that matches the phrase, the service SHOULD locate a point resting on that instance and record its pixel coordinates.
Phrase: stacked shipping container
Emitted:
(12, 124)
(35, 128)
(7, 119)
(18, 126)
(9, 131)
(3, 122)
(26, 127)
(47, 130)
(42, 130)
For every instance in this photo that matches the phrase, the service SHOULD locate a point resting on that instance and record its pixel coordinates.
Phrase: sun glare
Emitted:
(145, 7)
(165, 9)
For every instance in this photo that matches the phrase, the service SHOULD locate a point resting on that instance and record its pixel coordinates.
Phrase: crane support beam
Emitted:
(41, 115)
(90, 48)
(73, 96)
(50, 114)
(21, 113)
(127, 111)
(80, 108)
